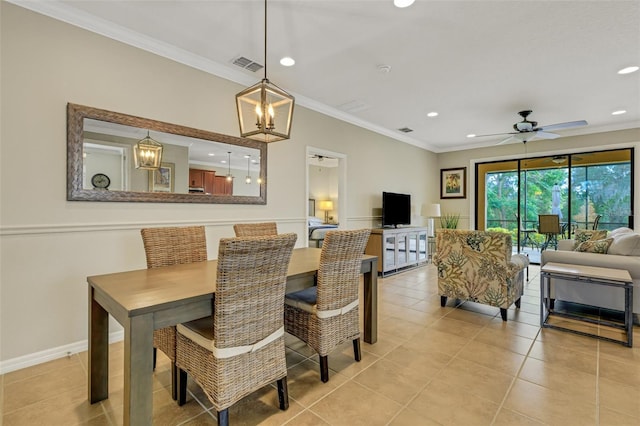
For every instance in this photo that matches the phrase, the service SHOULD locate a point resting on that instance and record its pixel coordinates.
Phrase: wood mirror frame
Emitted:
(76, 115)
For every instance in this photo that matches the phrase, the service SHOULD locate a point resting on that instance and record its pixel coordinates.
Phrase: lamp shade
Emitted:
(326, 205)
(430, 210)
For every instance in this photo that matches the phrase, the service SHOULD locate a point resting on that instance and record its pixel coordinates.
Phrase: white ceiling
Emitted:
(477, 63)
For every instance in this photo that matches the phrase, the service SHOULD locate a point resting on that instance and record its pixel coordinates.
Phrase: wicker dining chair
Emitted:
(327, 315)
(165, 247)
(240, 349)
(255, 229)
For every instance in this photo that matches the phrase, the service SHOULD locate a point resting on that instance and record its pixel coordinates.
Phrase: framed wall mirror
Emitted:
(196, 166)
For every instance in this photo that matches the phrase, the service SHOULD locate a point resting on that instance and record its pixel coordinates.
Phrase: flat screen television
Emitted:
(396, 209)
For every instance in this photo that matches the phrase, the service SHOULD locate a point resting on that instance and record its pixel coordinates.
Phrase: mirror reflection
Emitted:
(192, 166)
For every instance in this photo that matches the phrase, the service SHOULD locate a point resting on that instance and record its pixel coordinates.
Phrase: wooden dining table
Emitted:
(148, 299)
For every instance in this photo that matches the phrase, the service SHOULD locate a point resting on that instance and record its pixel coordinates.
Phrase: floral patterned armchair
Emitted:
(478, 266)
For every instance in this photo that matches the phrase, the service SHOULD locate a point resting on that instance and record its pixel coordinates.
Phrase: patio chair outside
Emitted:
(549, 226)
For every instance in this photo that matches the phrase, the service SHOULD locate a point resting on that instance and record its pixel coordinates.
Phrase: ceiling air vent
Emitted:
(247, 64)
(354, 106)
(405, 130)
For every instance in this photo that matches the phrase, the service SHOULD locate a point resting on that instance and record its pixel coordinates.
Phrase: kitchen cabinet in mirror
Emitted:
(197, 166)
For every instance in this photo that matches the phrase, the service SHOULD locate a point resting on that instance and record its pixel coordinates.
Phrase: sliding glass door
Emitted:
(583, 189)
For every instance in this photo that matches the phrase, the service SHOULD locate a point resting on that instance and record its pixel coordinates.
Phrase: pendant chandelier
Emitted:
(147, 154)
(247, 180)
(229, 175)
(265, 111)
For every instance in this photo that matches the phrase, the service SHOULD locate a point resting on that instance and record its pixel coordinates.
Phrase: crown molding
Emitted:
(63, 12)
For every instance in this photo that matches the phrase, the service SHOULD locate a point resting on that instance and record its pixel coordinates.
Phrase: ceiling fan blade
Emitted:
(546, 135)
(523, 137)
(496, 134)
(508, 140)
(516, 137)
(567, 125)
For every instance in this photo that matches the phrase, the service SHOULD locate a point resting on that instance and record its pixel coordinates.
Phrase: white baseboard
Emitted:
(51, 354)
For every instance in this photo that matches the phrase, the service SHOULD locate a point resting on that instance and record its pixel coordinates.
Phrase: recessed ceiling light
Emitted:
(223, 161)
(432, 114)
(619, 112)
(211, 154)
(628, 70)
(287, 61)
(471, 135)
(402, 3)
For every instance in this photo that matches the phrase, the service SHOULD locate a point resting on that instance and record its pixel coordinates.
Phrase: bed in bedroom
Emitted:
(316, 228)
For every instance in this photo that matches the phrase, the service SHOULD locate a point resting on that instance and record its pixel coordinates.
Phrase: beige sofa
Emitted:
(623, 253)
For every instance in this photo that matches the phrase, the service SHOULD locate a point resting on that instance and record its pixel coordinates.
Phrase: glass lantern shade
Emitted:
(147, 154)
(265, 112)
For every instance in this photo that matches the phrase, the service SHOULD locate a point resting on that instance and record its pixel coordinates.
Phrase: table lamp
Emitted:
(326, 205)
(430, 211)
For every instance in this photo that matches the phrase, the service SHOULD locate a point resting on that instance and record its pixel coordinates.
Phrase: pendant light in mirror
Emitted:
(147, 154)
(229, 175)
(247, 180)
(265, 111)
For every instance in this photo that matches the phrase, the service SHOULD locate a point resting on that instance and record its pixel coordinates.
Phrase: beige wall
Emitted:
(49, 245)
(468, 158)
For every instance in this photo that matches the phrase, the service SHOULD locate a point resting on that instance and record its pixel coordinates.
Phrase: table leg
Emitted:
(628, 314)
(371, 303)
(138, 370)
(543, 300)
(98, 356)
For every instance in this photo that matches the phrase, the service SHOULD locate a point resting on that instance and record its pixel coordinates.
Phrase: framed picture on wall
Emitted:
(453, 183)
(162, 180)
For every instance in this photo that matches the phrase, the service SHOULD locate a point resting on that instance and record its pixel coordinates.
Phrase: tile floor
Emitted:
(430, 366)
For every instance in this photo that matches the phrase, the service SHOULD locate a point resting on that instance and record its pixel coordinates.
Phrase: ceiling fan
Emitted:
(526, 129)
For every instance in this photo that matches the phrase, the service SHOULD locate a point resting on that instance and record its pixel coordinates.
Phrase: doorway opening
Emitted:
(326, 191)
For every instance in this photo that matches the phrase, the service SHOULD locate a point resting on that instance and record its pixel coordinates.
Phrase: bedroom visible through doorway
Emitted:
(325, 193)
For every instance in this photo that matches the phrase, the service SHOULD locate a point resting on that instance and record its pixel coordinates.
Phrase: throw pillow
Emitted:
(314, 221)
(582, 235)
(620, 231)
(626, 244)
(595, 246)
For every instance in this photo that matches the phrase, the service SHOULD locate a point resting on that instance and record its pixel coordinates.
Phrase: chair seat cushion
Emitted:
(304, 299)
(200, 331)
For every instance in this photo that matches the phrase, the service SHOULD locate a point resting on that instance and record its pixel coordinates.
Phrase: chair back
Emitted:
(548, 224)
(250, 286)
(339, 270)
(596, 222)
(255, 229)
(174, 245)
